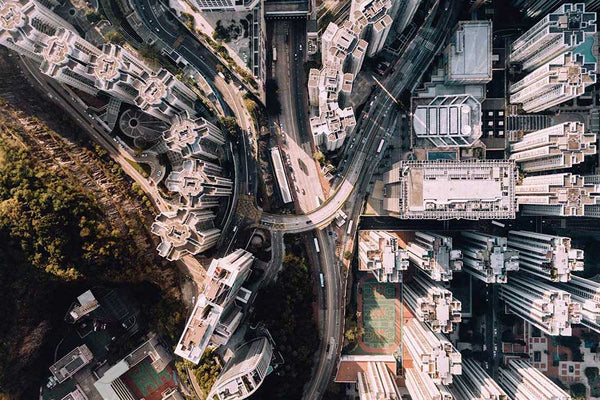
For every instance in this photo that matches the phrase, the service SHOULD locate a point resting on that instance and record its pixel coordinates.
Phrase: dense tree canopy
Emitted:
(286, 309)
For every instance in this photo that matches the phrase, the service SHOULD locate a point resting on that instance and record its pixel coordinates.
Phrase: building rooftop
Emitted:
(450, 189)
(470, 53)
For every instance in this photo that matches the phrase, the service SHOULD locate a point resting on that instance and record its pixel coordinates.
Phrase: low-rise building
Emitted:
(72, 362)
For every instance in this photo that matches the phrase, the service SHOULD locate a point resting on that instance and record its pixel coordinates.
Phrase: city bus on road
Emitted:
(349, 227)
(322, 280)
(274, 54)
(317, 245)
(380, 146)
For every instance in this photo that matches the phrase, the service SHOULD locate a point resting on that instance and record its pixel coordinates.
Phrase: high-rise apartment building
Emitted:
(587, 293)
(33, 30)
(163, 96)
(343, 49)
(378, 253)
(372, 19)
(421, 386)
(216, 315)
(377, 382)
(550, 309)
(185, 232)
(522, 381)
(451, 189)
(487, 257)
(562, 78)
(226, 5)
(546, 256)
(431, 352)
(432, 304)
(564, 194)
(563, 30)
(245, 372)
(193, 137)
(557, 147)
(434, 255)
(475, 383)
(200, 184)
(26, 24)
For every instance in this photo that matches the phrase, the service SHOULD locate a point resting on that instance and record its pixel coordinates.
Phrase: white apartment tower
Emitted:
(225, 5)
(487, 257)
(116, 71)
(378, 252)
(245, 372)
(377, 382)
(185, 232)
(432, 304)
(193, 137)
(558, 32)
(200, 184)
(562, 194)
(421, 386)
(373, 19)
(163, 96)
(25, 24)
(557, 147)
(216, 315)
(563, 78)
(550, 309)
(587, 293)
(475, 383)
(431, 352)
(434, 255)
(522, 381)
(546, 256)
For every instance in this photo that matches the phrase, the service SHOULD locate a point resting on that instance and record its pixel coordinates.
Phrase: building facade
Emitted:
(378, 253)
(487, 257)
(557, 147)
(217, 312)
(546, 256)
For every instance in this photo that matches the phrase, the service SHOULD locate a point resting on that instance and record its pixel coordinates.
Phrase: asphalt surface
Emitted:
(374, 125)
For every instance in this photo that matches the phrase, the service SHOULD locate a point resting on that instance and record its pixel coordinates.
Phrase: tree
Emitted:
(353, 332)
(230, 126)
(578, 391)
(115, 37)
(348, 255)
(92, 16)
(207, 371)
(320, 157)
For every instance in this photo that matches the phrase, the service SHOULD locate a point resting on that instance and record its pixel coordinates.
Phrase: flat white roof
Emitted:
(470, 55)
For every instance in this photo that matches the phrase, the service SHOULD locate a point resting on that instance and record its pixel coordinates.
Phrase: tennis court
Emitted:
(379, 311)
(146, 383)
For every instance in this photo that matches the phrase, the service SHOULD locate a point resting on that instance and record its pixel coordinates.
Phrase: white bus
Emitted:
(322, 280)
(380, 146)
(349, 227)
(317, 245)
(274, 54)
